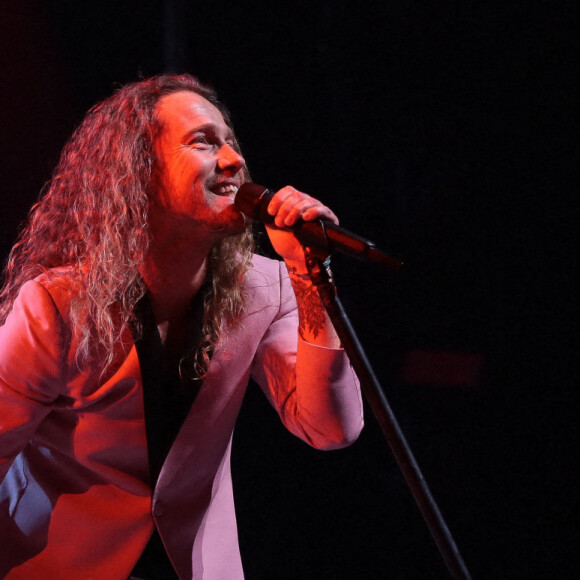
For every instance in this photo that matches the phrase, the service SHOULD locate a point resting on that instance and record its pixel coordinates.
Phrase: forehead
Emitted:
(183, 111)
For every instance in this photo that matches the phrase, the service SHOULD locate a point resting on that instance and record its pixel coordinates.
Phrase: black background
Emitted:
(446, 132)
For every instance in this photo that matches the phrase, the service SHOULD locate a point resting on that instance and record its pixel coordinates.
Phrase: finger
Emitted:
(320, 212)
(289, 205)
(287, 200)
(298, 210)
(279, 198)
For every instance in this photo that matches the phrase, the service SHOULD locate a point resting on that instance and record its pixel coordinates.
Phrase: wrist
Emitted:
(298, 270)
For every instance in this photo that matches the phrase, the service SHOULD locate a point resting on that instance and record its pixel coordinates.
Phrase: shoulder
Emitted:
(58, 281)
(36, 328)
(268, 272)
(263, 264)
(267, 283)
(53, 289)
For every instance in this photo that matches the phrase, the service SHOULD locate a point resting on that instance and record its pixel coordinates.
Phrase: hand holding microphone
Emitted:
(324, 233)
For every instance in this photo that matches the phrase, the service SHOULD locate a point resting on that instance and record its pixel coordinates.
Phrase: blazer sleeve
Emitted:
(30, 368)
(314, 389)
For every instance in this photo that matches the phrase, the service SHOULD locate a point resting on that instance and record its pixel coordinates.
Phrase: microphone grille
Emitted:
(252, 200)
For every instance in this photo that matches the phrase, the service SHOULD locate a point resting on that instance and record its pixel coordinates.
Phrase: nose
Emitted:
(229, 158)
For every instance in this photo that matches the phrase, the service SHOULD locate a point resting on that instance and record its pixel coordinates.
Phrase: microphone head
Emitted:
(252, 200)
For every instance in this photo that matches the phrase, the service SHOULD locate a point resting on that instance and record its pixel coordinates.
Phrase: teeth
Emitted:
(226, 189)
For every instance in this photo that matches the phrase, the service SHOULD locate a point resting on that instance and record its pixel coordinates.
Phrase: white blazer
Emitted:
(74, 497)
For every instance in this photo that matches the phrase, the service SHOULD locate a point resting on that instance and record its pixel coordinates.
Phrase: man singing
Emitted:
(134, 312)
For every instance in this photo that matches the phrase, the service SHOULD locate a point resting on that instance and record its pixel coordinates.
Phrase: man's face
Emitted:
(198, 172)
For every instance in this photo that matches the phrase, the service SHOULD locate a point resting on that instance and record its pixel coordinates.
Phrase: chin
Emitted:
(231, 226)
(233, 219)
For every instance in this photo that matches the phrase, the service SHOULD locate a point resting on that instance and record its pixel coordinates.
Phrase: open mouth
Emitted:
(228, 189)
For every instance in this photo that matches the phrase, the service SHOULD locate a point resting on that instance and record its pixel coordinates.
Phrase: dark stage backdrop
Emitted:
(443, 131)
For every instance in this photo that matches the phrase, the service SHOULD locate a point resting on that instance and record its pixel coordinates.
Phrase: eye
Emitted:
(199, 140)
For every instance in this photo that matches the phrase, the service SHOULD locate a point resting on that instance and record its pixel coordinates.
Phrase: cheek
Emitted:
(188, 171)
(175, 179)
(181, 177)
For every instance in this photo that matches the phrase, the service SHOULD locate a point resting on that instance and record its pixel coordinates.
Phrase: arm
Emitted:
(288, 206)
(30, 368)
(318, 398)
(313, 388)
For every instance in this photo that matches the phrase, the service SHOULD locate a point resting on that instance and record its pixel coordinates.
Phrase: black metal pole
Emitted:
(322, 278)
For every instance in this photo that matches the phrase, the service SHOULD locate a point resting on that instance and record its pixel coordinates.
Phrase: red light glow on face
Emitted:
(199, 171)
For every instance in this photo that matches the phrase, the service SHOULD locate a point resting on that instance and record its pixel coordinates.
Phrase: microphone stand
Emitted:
(318, 264)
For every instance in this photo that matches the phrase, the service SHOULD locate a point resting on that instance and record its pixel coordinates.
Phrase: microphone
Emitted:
(252, 200)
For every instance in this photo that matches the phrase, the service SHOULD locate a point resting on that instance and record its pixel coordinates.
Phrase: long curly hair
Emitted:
(92, 217)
